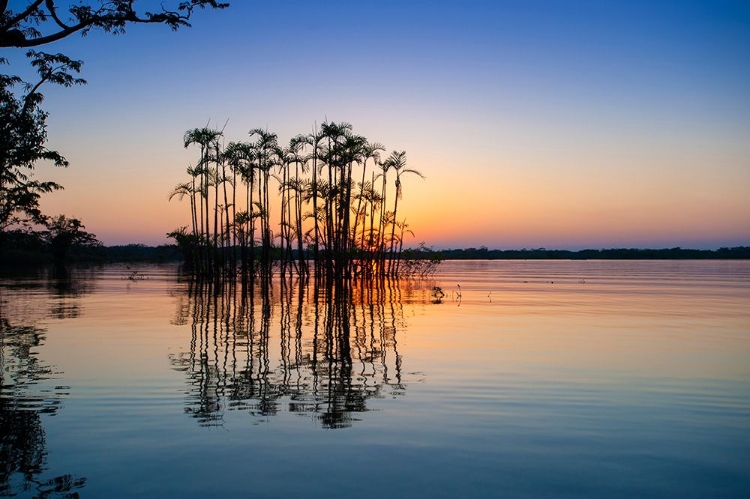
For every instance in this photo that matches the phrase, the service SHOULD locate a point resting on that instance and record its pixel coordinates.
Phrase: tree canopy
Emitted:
(64, 233)
(23, 137)
(46, 21)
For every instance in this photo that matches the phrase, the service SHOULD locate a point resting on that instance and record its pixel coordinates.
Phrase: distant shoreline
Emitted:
(735, 253)
(134, 253)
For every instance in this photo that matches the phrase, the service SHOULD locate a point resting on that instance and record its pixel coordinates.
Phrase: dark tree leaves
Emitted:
(44, 21)
(23, 138)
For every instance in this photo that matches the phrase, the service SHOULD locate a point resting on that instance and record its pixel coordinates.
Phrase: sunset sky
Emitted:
(558, 124)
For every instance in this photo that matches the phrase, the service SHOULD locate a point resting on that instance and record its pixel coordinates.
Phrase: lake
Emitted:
(490, 379)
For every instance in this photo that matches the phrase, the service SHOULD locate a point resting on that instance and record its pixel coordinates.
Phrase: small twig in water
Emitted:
(135, 276)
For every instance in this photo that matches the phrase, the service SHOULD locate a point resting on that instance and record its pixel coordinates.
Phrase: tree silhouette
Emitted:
(398, 163)
(266, 153)
(296, 144)
(41, 21)
(187, 189)
(314, 140)
(336, 229)
(23, 134)
(64, 233)
(208, 140)
(23, 137)
(370, 150)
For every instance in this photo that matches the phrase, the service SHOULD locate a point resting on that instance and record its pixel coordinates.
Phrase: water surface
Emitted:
(492, 379)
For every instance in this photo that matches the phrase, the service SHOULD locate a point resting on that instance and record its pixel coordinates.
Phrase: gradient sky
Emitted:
(558, 124)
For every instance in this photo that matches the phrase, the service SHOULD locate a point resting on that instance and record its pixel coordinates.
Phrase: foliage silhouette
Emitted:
(320, 207)
(40, 22)
(64, 233)
(23, 134)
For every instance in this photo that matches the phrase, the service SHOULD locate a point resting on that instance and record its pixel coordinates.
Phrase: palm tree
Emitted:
(208, 139)
(315, 140)
(353, 153)
(296, 145)
(398, 163)
(246, 163)
(241, 222)
(182, 190)
(265, 150)
(194, 172)
(226, 231)
(369, 150)
(335, 156)
(380, 246)
(403, 226)
(373, 199)
(237, 157)
(285, 160)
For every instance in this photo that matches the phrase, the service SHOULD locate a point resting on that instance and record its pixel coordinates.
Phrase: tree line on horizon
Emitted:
(677, 253)
(31, 249)
(336, 205)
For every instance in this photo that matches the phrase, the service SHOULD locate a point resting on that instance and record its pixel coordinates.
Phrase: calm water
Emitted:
(513, 379)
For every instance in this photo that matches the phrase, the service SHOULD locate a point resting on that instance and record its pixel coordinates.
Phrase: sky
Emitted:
(559, 124)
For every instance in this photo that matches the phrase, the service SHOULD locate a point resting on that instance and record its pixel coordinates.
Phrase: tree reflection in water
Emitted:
(23, 452)
(316, 348)
(26, 391)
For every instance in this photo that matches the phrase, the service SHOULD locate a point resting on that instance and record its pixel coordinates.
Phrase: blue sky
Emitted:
(537, 123)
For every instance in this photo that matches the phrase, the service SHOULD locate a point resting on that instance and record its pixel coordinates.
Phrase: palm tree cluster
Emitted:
(333, 207)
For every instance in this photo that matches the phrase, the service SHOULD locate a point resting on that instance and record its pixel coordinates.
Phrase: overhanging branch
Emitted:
(40, 24)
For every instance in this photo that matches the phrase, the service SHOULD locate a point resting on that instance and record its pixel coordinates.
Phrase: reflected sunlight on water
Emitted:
(522, 378)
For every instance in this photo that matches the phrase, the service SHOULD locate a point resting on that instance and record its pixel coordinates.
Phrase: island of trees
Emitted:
(335, 205)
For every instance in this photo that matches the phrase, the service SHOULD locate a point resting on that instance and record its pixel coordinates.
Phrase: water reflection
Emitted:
(640, 371)
(46, 292)
(26, 393)
(314, 349)
(26, 382)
